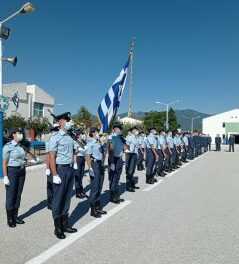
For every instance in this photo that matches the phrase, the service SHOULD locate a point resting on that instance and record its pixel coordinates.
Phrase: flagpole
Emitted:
(131, 54)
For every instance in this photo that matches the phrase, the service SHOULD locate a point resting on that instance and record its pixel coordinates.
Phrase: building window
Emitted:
(38, 110)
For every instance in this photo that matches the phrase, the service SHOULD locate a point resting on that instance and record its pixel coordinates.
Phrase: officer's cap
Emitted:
(93, 130)
(117, 125)
(14, 131)
(66, 116)
(152, 128)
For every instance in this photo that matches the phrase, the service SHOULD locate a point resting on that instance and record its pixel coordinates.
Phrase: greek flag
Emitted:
(109, 106)
(16, 100)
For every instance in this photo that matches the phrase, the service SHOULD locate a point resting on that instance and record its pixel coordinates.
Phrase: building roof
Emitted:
(130, 120)
(230, 114)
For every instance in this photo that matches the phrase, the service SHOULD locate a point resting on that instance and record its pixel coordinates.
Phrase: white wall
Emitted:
(213, 125)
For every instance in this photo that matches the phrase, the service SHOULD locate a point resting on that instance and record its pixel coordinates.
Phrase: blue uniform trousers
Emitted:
(140, 165)
(173, 157)
(97, 182)
(160, 162)
(115, 178)
(150, 164)
(49, 188)
(62, 192)
(79, 174)
(130, 166)
(16, 177)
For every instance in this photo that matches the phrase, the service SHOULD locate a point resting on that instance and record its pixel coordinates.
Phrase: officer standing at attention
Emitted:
(61, 147)
(49, 186)
(116, 150)
(141, 151)
(151, 155)
(231, 142)
(169, 140)
(14, 176)
(218, 142)
(131, 158)
(94, 159)
(79, 165)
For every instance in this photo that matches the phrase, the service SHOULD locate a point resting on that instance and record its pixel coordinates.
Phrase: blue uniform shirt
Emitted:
(133, 143)
(185, 140)
(63, 145)
(94, 149)
(151, 141)
(170, 142)
(161, 142)
(14, 154)
(118, 145)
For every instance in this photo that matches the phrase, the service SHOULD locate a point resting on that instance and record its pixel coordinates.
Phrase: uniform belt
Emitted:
(64, 165)
(16, 167)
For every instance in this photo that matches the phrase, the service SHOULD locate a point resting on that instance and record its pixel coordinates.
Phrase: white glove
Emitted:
(6, 181)
(112, 167)
(91, 173)
(75, 166)
(56, 179)
(48, 172)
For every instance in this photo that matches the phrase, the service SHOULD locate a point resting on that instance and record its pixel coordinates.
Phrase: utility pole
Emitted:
(131, 53)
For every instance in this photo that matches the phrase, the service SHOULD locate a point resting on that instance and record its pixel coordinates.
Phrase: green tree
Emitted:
(173, 124)
(154, 119)
(40, 125)
(84, 117)
(14, 121)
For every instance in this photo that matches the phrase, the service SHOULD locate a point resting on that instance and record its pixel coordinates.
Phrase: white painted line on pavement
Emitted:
(52, 251)
(152, 186)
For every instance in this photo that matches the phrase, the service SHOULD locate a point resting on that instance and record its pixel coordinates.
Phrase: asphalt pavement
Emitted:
(189, 217)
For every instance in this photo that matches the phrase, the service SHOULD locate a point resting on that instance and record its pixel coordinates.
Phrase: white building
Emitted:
(34, 101)
(223, 124)
(130, 121)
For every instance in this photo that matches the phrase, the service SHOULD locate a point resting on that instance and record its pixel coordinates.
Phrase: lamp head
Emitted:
(27, 8)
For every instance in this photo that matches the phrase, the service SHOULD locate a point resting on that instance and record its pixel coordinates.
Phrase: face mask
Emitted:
(68, 125)
(136, 133)
(83, 137)
(154, 132)
(19, 137)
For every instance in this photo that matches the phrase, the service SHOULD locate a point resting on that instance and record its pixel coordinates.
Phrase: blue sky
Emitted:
(185, 49)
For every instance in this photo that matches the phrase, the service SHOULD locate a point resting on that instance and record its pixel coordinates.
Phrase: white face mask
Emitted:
(68, 125)
(19, 137)
(83, 137)
(136, 133)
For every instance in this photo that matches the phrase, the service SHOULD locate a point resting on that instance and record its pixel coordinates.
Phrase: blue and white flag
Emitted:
(109, 106)
(16, 100)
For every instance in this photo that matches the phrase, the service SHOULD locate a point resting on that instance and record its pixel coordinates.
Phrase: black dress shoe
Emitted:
(99, 210)
(149, 182)
(95, 213)
(136, 187)
(155, 180)
(19, 221)
(70, 230)
(58, 228)
(130, 189)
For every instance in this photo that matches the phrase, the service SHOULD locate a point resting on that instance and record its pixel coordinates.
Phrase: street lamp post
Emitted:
(167, 110)
(4, 34)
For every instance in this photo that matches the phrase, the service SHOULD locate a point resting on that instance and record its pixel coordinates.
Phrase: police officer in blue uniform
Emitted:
(161, 154)
(49, 186)
(61, 151)
(79, 165)
(170, 144)
(94, 159)
(141, 151)
(151, 155)
(14, 176)
(116, 150)
(131, 158)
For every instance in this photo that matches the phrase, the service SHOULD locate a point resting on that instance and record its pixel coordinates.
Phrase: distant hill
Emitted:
(184, 118)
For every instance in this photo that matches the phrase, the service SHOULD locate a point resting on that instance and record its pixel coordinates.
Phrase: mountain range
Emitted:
(184, 118)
